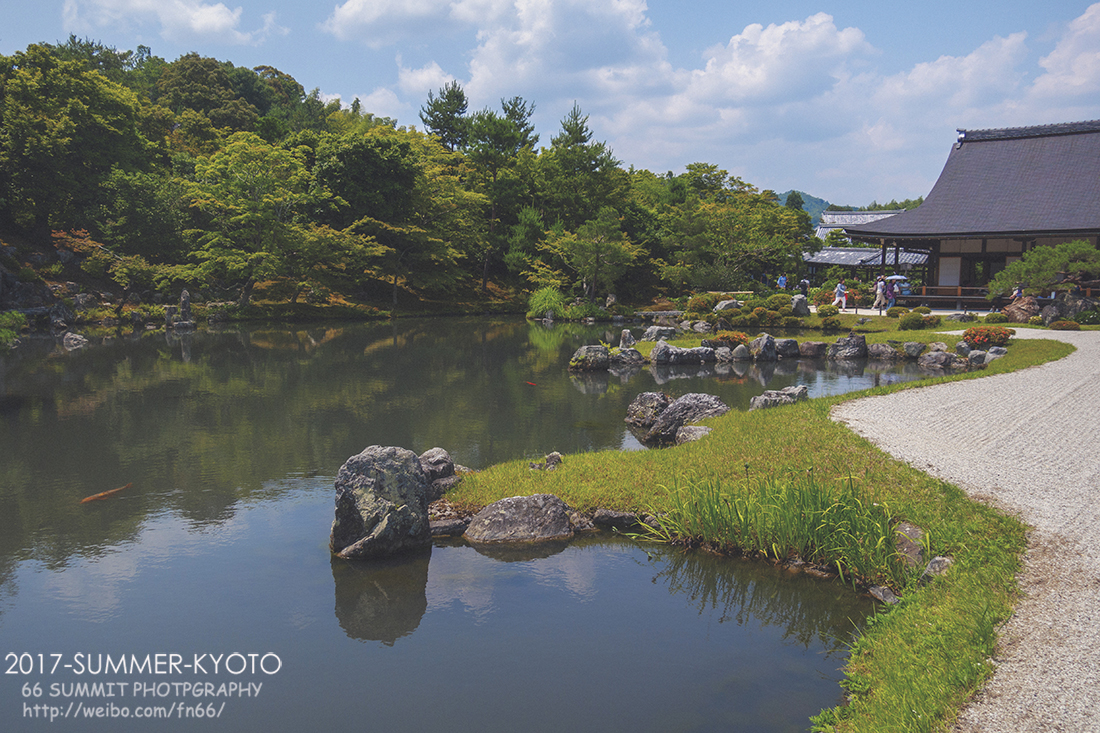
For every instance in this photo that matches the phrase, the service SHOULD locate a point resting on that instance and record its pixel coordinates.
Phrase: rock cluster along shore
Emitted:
(935, 356)
(388, 502)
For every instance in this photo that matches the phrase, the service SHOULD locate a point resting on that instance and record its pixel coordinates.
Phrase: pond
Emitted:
(218, 549)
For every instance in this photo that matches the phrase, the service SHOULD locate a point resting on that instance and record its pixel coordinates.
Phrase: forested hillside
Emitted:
(156, 175)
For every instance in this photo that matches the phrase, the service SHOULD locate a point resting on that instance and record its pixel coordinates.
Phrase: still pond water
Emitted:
(230, 441)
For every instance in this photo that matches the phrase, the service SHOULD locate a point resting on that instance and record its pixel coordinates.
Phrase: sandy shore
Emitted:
(1025, 442)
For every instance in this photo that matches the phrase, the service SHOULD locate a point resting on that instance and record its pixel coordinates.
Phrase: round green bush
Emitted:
(1035, 321)
(827, 311)
(911, 322)
(1065, 325)
(779, 300)
(830, 323)
(897, 311)
(792, 322)
(753, 303)
(922, 309)
(996, 318)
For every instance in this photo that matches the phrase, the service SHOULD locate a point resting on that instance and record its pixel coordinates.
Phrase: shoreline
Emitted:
(1031, 458)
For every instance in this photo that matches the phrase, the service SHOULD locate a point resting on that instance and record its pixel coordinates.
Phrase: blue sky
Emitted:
(849, 101)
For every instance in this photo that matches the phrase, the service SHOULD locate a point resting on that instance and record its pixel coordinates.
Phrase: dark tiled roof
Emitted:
(1009, 182)
(831, 220)
(862, 257)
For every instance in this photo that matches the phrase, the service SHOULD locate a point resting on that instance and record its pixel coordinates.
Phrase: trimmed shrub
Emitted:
(922, 309)
(753, 303)
(583, 310)
(911, 322)
(1065, 325)
(996, 318)
(827, 311)
(982, 337)
(830, 323)
(931, 321)
(897, 311)
(702, 302)
(732, 338)
(1035, 321)
(779, 300)
(792, 322)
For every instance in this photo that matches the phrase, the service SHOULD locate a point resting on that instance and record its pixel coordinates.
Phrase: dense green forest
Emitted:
(233, 181)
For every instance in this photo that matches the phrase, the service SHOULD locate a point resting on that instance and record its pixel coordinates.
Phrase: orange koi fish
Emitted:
(104, 494)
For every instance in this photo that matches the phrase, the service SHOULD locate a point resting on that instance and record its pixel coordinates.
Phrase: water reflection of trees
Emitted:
(808, 610)
(254, 406)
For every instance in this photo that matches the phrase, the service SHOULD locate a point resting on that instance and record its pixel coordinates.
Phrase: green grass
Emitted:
(919, 661)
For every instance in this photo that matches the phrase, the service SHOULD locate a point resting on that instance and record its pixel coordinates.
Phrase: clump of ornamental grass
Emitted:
(781, 517)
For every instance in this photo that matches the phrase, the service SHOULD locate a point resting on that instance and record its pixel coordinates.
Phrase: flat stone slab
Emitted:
(537, 518)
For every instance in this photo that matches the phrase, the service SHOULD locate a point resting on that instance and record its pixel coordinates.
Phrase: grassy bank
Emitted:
(919, 660)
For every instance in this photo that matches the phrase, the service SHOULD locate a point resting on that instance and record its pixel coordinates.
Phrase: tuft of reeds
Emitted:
(783, 517)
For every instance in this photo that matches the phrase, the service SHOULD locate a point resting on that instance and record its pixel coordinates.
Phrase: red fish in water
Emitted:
(532, 384)
(104, 494)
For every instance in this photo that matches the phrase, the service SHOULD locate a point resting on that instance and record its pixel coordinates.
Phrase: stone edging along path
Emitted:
(1025, 442)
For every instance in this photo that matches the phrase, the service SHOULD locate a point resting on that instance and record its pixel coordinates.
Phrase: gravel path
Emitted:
(1026, 443)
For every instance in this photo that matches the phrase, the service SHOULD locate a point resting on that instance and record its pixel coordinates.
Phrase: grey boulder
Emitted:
(537, 518)
(382, 498)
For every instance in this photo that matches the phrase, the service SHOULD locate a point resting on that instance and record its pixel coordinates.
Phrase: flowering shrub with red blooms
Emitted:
(732, 338)
(982, 337)
(1065, 326)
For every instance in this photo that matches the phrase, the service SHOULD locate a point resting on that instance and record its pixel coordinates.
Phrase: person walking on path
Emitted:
(1048, 653)
(841, 294)
(880, 294)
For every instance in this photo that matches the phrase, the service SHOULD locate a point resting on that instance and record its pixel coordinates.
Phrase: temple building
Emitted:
(1002, 193)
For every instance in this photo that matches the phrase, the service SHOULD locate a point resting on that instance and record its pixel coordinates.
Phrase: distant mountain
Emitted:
(812, 205)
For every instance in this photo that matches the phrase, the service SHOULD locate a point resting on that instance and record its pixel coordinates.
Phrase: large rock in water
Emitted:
(590, 358)
(382, 498)
(537, 518)
(847, 349)
(642, 412)
(777, 397)
(688, 409)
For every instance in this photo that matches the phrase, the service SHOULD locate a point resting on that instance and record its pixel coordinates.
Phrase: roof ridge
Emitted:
(1010, 133)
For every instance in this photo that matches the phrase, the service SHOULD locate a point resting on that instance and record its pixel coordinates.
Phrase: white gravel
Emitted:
(1027, 443)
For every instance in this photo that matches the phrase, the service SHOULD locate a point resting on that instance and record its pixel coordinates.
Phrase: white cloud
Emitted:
(417, 83)
(179, 20)
(383, 22)
(384, 102)
(1073, 67)
(783, 105)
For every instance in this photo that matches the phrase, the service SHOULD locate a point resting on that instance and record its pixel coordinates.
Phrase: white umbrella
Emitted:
(897, 277)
